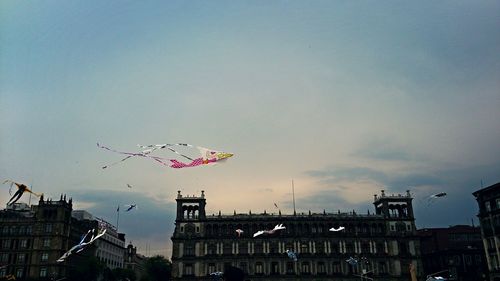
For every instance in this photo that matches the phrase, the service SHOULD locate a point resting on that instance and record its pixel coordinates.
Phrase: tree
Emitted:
(158, 268)
(88, 269)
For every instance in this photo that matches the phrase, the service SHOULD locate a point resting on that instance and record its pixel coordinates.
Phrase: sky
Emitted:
(345, 98)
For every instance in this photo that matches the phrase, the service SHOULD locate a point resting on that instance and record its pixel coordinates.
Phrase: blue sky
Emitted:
(345, 97)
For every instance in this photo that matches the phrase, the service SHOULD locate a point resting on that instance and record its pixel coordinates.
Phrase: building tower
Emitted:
(397, 211)
(190, 208)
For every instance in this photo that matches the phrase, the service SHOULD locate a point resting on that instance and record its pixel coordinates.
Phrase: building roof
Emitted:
(486, 189)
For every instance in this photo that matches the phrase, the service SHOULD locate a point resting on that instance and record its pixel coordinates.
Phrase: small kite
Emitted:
(433, 197)
(276, 205)
(217, 275)
(130, 207)
(435, 278)
(129, 186)
(352, 261)
(337, 229)
(82, 245)
(208, 156)
(239, 231)
(276, 228)
(291, 255)
(21, 188)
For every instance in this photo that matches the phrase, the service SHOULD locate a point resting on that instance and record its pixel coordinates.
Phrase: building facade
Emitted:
(33, 238)
(455, 253)
(385, 242)
(488, 200)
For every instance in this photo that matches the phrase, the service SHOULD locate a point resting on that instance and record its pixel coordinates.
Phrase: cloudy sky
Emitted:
(344, 97)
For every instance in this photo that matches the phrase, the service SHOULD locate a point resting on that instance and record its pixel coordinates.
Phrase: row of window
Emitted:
(321, 268)
(23, 229)
(273, 247)
(492, 205)
(19, 273)
(16, 230)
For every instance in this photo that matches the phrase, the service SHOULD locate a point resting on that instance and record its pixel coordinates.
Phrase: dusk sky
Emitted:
(344, 97)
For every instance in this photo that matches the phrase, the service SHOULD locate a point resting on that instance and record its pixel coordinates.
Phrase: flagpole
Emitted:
(293, 194)
(117, 217)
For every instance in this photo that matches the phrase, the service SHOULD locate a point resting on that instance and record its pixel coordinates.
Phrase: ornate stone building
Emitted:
(387, 239)
(488, 200)
(33, 238)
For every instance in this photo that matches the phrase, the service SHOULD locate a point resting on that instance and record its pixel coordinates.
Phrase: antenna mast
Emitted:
(293, 194)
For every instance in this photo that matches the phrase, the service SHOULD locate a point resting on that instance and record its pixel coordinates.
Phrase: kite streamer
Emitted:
(208, 156)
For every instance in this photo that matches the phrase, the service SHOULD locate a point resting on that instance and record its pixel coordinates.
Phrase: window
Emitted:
(48, 228)
(19, 273)
(21, 258)
(43, 272)
(5, 230)
(188, 270)
(23, 243)
(6, 243)
(321, 268)
(4, 257)
(46, 242)
(189, 250)
(382, 268)
(498, 203)
(289, 268)
(45, 257)
(303, 248)
(275, 268)
(211, 268)
(258, 268)
(3, 272)
(487, 206)
(29, 228)
(13, 230)
(244, 267)
(337, 267)
(305, 268)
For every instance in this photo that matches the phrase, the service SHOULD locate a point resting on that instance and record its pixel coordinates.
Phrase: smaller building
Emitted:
(488, 200)
(110, 248)
(135, 261)
(455, 252)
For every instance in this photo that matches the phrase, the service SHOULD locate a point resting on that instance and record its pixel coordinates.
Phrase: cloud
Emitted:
(458, 207)
(383, 149)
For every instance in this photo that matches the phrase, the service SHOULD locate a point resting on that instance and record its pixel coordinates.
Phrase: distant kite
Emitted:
(208, 156)
(129, 186)
(434, 197)
(217, 275)
(21, 188)
(276, 228)
(82, 244)
(130, 207)
(239, 231)
(352, 261)
(337, 229)
(292, 255)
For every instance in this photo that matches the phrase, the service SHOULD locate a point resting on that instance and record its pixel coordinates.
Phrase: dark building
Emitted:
(384, 242)
(488, 200)
(455, 252)
(33, 238)
(135, 261)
